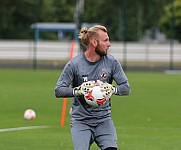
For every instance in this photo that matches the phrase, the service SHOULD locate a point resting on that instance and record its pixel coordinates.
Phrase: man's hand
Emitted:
(107, 89)
(84, 88)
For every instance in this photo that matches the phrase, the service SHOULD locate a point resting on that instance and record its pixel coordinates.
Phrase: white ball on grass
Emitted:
(29, 114)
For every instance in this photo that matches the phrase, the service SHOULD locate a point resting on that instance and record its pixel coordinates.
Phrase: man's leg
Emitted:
(105, 135)
(81, 136)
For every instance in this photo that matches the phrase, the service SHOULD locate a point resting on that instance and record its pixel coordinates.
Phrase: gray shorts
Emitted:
(84, 134)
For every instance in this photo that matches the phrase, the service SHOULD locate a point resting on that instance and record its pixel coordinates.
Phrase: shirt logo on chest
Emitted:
(103, 75)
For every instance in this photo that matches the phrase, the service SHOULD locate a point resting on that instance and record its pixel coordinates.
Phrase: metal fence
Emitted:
(147, 55)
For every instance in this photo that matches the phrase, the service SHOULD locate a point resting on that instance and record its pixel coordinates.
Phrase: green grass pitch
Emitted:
(148, 119)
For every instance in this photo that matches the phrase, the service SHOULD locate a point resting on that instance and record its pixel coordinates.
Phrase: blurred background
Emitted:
(145, 34)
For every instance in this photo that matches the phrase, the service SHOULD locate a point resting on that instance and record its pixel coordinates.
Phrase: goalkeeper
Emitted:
(92, 124)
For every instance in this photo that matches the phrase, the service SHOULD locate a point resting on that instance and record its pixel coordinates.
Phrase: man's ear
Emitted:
(94, 42)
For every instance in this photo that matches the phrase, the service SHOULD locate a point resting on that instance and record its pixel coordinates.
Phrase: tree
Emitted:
(166, 20)
(141, 15)
(105, 13)
(18, 15)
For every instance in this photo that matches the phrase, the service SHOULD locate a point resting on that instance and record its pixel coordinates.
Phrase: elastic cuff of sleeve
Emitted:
(73, 92)
(115, 90)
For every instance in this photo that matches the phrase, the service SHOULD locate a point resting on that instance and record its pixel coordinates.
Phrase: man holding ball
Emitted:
(92, 124)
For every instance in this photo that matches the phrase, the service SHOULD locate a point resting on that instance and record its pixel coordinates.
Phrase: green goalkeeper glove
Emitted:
(107, 89)
(84, 88)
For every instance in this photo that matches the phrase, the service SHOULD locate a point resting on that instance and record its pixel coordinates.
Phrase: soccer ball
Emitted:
(29, 114)
(95, 97)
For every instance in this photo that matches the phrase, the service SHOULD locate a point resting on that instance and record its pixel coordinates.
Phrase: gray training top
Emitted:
(79, 70)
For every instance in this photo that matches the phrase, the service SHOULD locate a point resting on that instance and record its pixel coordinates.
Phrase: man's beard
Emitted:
(100, 52)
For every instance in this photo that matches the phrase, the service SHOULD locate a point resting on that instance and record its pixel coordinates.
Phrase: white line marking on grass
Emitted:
(149, 128)
(173, 71)
(23, 128)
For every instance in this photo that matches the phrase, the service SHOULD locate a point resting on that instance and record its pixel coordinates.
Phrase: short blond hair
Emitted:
(87, 33)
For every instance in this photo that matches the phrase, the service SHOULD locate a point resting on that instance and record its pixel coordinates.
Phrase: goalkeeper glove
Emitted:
(107, 89)
(84, 88)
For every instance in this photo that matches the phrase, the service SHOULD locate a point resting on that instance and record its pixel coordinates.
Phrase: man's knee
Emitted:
(111, 148)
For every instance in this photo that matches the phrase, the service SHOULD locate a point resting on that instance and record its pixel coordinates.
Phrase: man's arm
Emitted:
(63, 92)
(62, 88)
(123, 89)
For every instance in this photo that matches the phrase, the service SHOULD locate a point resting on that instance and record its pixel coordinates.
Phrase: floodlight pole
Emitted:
(78, 17)
(171, 34)
(35, 34)
(125, 35)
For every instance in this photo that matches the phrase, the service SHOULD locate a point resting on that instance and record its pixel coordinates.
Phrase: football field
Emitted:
(148, 119)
